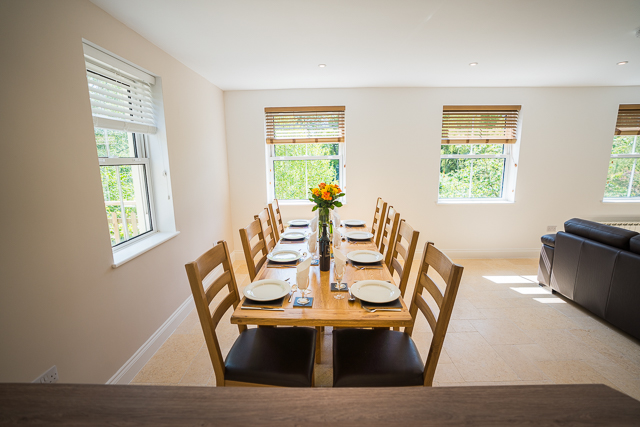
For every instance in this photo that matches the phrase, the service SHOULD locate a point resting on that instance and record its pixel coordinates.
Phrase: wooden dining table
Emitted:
(326, 310)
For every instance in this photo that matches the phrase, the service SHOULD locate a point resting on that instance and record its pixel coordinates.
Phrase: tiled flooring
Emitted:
(497, 335)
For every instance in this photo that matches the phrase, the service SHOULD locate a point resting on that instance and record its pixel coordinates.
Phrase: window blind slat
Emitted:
(304, 125)
(119, 101)
(628, 122)
(480, 124)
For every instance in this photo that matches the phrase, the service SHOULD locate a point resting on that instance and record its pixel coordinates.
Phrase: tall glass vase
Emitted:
(323, 217)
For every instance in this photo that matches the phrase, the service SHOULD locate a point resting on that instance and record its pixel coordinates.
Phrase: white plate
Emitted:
(267, 289)
(299, 222)
(359, 235)
(364, 256)
(376, 291)
(293, 235)
(354, 222)
(284, 255)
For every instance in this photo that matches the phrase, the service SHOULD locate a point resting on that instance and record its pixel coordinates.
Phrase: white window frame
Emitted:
(271, 183)
(635, 170)
(508, 175)
(142, 150)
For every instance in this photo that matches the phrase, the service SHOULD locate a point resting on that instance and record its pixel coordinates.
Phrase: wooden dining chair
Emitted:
(402, 248)
(378, 219)
(388, 230)
(385, 358)
(282, 357)
(267, 230)
(249, 234)
(276, 218)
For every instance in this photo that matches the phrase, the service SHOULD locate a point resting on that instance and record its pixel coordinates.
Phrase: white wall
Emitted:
(60, 301)
(393, 146)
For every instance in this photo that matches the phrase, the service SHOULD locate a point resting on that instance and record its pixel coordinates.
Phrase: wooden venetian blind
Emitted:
(628, 122)
(304, 125)
(480, 124)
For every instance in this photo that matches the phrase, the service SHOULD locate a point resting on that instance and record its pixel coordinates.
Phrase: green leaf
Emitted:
(338, 204)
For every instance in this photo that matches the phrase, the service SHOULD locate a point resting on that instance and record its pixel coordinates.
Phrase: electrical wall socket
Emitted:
(49, 377)
(551, 228)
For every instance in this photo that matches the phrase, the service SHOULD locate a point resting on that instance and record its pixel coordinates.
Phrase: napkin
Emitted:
(336, 220)
(314, 224)
(302, 274)
(313, 241)
(340, 260)
(337, 237)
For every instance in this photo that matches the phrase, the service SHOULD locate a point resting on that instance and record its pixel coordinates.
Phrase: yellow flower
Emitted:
(316, 192)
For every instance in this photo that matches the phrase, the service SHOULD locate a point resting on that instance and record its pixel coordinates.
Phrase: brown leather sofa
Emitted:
(598, 267)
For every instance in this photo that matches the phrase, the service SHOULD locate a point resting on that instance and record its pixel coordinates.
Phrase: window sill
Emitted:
(130, 252)
(621, 200)
(474, 201)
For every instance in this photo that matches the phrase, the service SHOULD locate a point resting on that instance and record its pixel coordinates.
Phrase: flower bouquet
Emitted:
(325, 196)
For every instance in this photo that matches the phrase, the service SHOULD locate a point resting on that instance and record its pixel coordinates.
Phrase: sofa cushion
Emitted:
(624, 297)
(565, 263)
(605, 234)
(634, 244)
(549, 240)
(593, 279)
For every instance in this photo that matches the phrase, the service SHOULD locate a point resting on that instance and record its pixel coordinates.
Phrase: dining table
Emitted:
(325, 309)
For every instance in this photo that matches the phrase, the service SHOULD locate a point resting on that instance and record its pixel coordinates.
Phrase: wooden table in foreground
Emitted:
(326, 310)
(109, 405)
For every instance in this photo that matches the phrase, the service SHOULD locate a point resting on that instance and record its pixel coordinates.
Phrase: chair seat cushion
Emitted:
(375, 358)
(273, 356)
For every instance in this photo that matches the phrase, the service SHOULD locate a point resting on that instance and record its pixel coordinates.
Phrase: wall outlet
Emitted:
(49, 377)
(551, 228)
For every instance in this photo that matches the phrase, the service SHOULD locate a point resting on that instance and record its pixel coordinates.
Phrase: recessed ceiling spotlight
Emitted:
(473, 64)
(322, 65)
(623, 62)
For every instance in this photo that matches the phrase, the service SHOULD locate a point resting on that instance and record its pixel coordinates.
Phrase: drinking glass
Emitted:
(338, 274)
(303, 287)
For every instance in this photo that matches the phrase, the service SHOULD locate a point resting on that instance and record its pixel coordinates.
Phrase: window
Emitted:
(305, 146)
(623, 178)
(122, 106)
(478, 153)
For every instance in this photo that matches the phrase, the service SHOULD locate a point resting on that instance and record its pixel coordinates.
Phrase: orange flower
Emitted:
(322, 185)
(326, 195)
(315, 192)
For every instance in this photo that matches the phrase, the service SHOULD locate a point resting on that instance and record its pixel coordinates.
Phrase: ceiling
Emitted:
(278, 44)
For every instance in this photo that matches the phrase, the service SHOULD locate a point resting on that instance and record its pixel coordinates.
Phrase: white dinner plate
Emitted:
(354, 222)
(359, 235)
(376, 291)
(267, 289)
(293, 235)
(364, 256)
(284, 255)
(299, 222)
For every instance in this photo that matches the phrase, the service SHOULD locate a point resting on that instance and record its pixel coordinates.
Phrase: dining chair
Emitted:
(267, 230)
(378, 219)
(247, 235)
(402, 248)
(281, 357)
(386, 358)
(276, 218)
(388, 230)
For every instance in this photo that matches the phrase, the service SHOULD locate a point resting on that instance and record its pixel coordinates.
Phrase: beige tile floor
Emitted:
(496, 336)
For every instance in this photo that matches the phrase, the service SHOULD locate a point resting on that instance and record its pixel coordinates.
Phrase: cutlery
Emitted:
(351, 297)
(381, 309)
(262, 308)
(367, 268)
(291, 296)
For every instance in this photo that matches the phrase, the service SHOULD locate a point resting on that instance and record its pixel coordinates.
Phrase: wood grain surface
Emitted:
(112, 405)
(326, 310)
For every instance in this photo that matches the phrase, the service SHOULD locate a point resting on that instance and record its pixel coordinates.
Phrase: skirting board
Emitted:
(130, 369)
(490, 253)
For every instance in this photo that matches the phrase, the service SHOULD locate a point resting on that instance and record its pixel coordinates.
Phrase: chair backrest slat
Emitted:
(452, 274)
(388, 230)
(246, 236)
(266, 229)
(379, 216)
(276, 218)
(196, 271)
(407, 250)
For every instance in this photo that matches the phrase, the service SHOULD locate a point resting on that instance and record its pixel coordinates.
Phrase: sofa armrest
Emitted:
(549, 240)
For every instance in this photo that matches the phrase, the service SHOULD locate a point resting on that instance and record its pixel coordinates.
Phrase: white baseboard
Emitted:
(131, 368)
(236, 255)
(490, 253)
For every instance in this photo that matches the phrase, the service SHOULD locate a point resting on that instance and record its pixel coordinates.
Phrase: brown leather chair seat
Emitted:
(274, 356)
(375, 358)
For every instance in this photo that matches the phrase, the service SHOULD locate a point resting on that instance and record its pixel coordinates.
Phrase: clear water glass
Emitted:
(338, 274)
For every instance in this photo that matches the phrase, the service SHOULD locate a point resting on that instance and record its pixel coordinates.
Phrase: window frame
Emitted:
(271, 182)
(635, 170)
(141, 151)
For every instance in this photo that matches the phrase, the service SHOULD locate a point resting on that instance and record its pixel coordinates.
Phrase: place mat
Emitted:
(282, 264)
(299, 226)
(366, 264)
(371, 305)
(290, 241)
(307, 305)
(335, 289)
(315, 262)
(276, 303)
(353, 226)
(359, 240)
